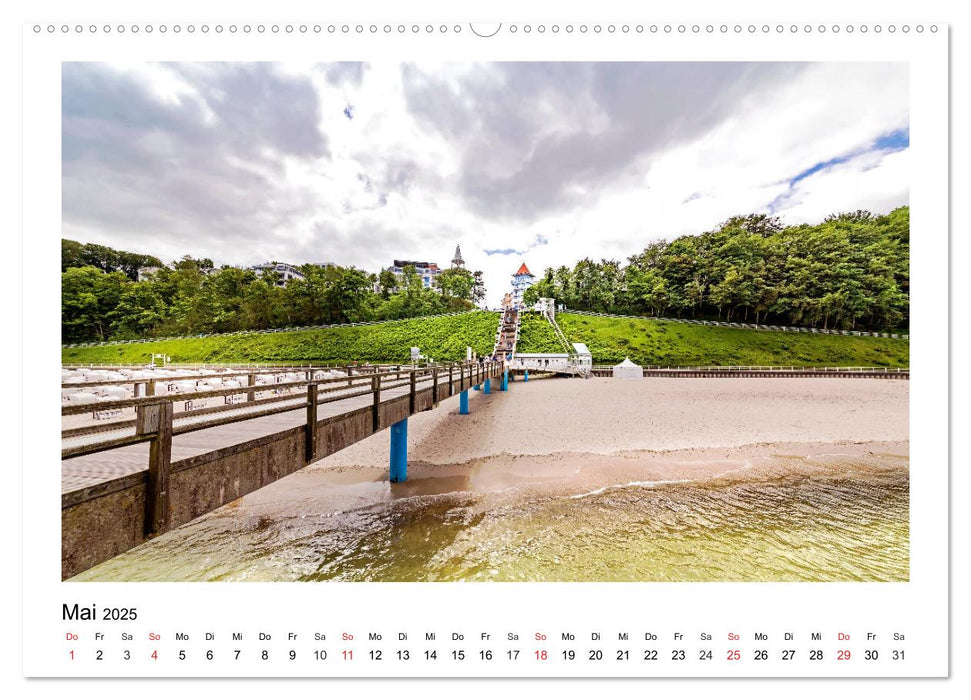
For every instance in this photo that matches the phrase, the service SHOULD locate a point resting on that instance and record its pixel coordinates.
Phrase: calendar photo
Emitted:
(426, 348)
(485, 321)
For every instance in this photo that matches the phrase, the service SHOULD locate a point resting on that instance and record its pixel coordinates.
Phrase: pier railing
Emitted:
(104, 519)
(319, 392)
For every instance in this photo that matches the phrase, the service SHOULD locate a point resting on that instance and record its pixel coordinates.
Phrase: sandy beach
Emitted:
(585, 480)
(568, 437)
(601, 416)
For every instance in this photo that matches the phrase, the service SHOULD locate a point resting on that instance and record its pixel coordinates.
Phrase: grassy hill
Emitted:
(443, 338)
(651, 342)
(645, 341)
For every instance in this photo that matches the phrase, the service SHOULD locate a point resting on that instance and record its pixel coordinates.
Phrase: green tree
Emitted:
(478, 287)
(387, 282)
(456, 282)
(88, 296)
(74, 254)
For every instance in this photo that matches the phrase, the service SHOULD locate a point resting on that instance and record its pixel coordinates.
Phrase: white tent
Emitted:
(628, 370)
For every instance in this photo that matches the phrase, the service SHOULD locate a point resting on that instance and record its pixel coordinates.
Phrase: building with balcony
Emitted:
(428, 271)
(285, 272)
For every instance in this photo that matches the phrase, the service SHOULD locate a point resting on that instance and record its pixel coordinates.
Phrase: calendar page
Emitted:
(420, 347)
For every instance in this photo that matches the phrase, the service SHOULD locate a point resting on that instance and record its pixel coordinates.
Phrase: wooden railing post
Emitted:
(150, 388)
(411, 392)
(349, 380)
(435, 386)
(156, 418)
(451, 388)
(313, 395)
(376, 406)
(251, 381)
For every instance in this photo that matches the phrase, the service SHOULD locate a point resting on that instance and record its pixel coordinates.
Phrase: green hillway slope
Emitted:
(442, 338)
(651, 342)
(645, 341)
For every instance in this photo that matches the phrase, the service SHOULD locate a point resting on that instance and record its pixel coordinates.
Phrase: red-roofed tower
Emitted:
(521, 281)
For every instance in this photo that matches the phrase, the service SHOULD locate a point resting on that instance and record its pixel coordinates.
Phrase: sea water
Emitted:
(842, 520)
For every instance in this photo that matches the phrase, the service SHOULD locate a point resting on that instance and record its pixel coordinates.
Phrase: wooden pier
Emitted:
(127, 481)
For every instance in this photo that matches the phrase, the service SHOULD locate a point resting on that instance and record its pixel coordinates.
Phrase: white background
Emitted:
(799, 603)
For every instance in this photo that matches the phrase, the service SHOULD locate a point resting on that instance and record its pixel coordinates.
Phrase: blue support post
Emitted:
(464, 403)
(487, 386)
(475, 388)
(399, 451)
(526, 376)
(504, 382)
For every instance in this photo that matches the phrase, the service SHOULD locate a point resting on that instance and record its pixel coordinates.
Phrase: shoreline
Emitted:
(572, 474)
(584, 480)
(768, 512)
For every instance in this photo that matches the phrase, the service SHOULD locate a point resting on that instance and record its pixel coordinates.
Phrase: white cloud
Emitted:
(488, 156)
(874, 181)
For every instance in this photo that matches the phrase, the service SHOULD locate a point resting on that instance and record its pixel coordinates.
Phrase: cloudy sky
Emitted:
(538, 162)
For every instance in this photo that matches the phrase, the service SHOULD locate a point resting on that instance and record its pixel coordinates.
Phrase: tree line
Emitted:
(74, 254)
(102, 299)
(852, 271)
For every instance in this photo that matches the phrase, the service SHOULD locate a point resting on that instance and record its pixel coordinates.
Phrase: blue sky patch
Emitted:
(503, 251)
(896, 140)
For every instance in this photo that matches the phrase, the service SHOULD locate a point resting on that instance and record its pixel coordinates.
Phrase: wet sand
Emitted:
(570, 474)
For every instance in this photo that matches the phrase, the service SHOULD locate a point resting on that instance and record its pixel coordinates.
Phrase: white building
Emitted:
(579, 361)
(146, 273)
(428, 271)
(545, 305)
(285, 272)
(521, 281)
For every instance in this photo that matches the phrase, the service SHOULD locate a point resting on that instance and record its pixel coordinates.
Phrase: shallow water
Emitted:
(778, 519)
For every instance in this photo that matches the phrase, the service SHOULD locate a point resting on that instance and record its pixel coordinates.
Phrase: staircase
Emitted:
(507, 335)
(550, 316)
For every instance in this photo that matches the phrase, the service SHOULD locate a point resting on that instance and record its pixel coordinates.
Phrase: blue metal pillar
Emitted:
(464, 403)
(476, 387)
(526, 376)
(399, 451)
(487, 386)
(504, 382)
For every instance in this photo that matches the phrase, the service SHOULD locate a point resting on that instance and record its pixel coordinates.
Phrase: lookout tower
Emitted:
(457, 261)
(521, 281)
